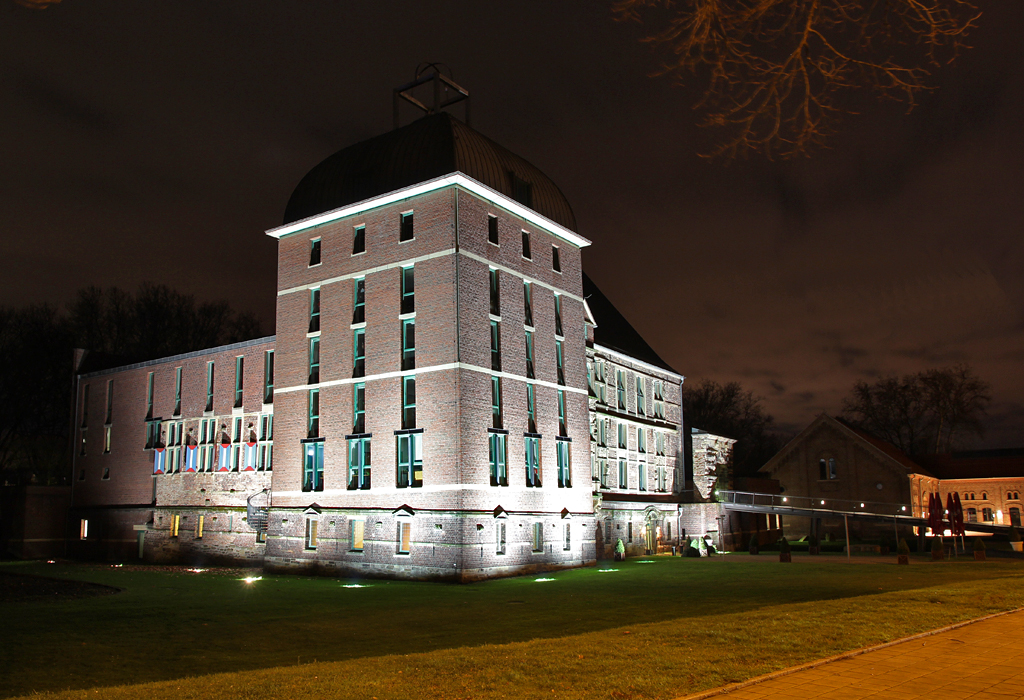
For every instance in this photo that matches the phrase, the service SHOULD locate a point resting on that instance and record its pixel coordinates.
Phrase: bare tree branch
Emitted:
(773, 71)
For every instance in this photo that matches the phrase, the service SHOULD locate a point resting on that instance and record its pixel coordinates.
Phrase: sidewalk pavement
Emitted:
(979, 660)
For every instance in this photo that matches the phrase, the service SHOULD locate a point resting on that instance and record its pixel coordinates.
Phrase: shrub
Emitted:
(903, 548)
(978, 545)
(784, 546)
(753, 547)
(691, 551)
(1014, 535)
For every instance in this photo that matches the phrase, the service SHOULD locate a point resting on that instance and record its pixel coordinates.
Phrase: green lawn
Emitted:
(734, 617)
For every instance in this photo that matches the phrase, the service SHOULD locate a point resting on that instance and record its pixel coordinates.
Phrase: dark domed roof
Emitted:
(431, 147)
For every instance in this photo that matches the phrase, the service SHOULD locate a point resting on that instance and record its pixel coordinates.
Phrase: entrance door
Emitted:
(1015, 517)
(649, 536)
(141, 536)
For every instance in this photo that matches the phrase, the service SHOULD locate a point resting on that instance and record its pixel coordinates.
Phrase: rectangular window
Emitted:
(561, 414)
(356, 535)
(531, 411)
(642, 473)
(621, 384)
(358, 240)
(149, 395)
(83, 529)
(404, 537)
(499, 458)
(106, 474)
(629, 532)
(209, 386)
(314, 310)
(359, 301)
(564, 464)
(659, 399)
(496, 346)
(622, 436)
(408, 403)
(314, 252)
(556, 262)
(538, 537)
(641, 440)
(495, 294)
(268, 376)
(238, 430)
(410, 460)
(526, 245)
(499, 537)
(408, 344)
(106, 439)
(359, 463)
(358, 408)
(528, 304)
(313, 467)
(266, 447)
(641, 401)
(566, 538)
(602, 469)
(623, 481)
(558, 315)
(311, 528)
(110, 402)
(314, 360)
(175, 524)
(177, 391)
(408, 290)
(492, 229)
(529, 355)
(659, 444)
(313, 416)
(533, 461)
(239, 379)
(559, 362)
(359, 353)
(199, 527)
(662, 479)
(602, 433)
(406, 232)
(496, 416)
(601, 383)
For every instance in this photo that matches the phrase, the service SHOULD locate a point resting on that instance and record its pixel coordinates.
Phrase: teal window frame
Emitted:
(359, 300)
(268, 377)
(623, 475)
(314, 310)
(408, 284)
(313, 414)
(408, 403)
(359, 353)
(560, 362)
(641, 399)
(498, 454)
(406, 231)
(563, 453)
(359, 408)
(530, 369)
(528, 304)
(558, 315)
(562, 428)
(409, 449)
(209, 385)
(642, 476)
(496, 408)
(532, 461)
(359, 464)
(313, 466)
(358, 240)
(239, 380)
(314, 360)
(496, 346)
(177, 392)
(315, 252)
(531, 409)
(408, 344)
(495, 292)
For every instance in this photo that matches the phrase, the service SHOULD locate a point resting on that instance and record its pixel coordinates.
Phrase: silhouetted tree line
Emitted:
(37, 346)
(932, 411)
(729, 411)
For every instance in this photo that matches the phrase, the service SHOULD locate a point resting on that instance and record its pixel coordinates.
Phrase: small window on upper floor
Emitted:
(314, 252)
(492, 229)
(556, 263)
(359, 240)
(406, 232)
(522, 191)
(526, 245)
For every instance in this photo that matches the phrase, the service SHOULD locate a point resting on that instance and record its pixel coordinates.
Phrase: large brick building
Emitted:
(428, 406)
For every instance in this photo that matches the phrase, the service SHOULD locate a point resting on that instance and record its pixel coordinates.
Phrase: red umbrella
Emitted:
(958, 515)
(951, 513)
(932, 512)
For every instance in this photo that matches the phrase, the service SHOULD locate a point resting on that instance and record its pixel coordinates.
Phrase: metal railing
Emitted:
(783, 502)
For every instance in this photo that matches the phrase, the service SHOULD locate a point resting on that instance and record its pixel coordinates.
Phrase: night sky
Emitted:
(158, 141)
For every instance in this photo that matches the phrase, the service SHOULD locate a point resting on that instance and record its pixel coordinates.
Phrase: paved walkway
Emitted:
(980, 660)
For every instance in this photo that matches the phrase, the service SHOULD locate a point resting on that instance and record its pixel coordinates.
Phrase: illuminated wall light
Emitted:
(823, 502)
(904, 507)
(785, 499)
(861, 505)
